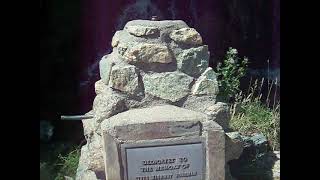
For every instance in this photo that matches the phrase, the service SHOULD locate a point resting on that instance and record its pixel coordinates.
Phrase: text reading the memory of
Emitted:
(180, 164)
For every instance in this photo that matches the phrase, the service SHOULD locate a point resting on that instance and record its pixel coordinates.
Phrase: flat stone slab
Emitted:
(163, 142)
(159, 24)
(162, 113)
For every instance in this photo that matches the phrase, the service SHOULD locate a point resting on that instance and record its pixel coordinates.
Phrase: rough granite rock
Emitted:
(198, 103)
(165, 27)
(171, 86)
(88, 175)
(147, 101)
(193, 61)
(186, 36)
(88, 126)
(138, 30)
(105, 66)
(100, 87)
(125, 78)
(91, 159)
(206, 84)
(146, 53)
(234, 145)
(219, 113)
(107, 104)
(161, 113)
(115, 39)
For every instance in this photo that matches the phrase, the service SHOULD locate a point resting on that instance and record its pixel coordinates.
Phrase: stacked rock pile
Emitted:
(152, 63)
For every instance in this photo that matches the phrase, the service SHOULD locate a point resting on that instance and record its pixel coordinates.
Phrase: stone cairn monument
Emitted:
(155, 114)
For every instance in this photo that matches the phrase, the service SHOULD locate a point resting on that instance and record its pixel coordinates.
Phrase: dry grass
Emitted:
(249, 114)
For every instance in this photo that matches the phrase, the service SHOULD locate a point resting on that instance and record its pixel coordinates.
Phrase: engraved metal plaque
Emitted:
(180, 162)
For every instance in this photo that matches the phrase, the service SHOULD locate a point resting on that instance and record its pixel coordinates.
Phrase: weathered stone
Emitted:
(219, 113)
(87, 175)
(125, 78)
(206, 84)
(165, 28)
(174, 121)
(193, 61)
(139, 31)
(88, 126)
(147, 101)
(187, 36)
(122, 48)
(165, 24)
(115, 39)
(100, 87)
(169, 85)
(91, 159)
(105, 66)
(184, 123)
(147, 53)
(107, 104)
(234, 146)
(198, 103)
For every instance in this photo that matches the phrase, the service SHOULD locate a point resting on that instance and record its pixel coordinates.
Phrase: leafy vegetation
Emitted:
(249, 114)
(230, 72)
(58, 161)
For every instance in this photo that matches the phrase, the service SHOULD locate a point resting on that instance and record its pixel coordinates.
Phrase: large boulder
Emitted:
(91, 159)
(106, 105)
(139, 53)
(193, 61)
(171, 86)
(88, 125)
(198, 103)
(234, 145)
(125, 78)
(206, 84)
(219, 112)
(164, 27)
(105, 66)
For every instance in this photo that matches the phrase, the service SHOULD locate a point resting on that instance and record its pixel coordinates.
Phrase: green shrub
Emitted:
(59, 160)
(229, 73)
(68, 164)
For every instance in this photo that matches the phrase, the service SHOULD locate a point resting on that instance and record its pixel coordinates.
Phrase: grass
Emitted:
(249, 114)
(58, 161)
(68, 164)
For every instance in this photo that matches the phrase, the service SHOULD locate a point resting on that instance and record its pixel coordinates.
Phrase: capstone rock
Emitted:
(138, 30)
(125, 78)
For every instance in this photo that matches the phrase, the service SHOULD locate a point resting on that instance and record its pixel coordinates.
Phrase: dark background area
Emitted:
(75, 34)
